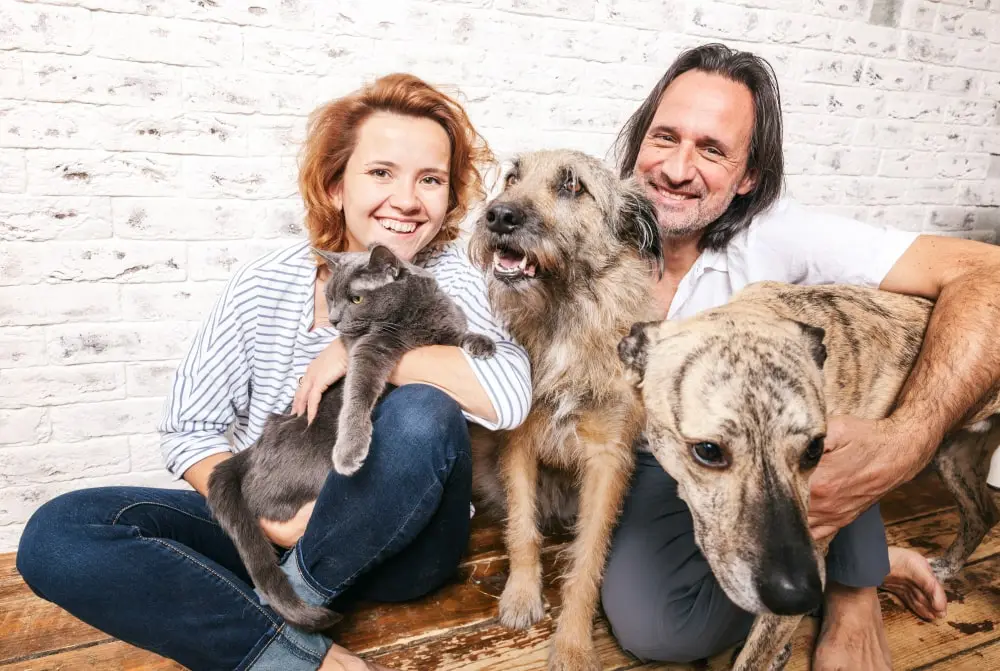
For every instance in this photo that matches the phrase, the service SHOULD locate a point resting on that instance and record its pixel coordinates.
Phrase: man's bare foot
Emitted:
(912, 580)
(340, 659)
(852, 637)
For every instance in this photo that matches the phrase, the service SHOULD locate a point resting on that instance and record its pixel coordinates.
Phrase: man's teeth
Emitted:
(398, 226)
(673, 195)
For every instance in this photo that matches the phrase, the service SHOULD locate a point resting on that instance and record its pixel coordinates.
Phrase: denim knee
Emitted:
(419, 421)
(42, 553)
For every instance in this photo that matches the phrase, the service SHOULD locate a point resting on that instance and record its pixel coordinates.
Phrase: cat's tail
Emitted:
(225, 498)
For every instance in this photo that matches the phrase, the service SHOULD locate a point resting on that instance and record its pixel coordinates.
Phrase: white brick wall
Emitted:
(147, 146)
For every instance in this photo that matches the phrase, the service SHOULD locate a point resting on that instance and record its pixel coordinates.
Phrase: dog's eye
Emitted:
(511, 179)
(356, 299)
(572, 186)
(812, 454)
(709, 454)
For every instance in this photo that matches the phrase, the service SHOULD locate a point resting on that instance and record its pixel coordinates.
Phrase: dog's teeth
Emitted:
(524, 262)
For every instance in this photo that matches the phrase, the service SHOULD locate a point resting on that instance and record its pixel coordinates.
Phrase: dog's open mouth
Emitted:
(511, 264)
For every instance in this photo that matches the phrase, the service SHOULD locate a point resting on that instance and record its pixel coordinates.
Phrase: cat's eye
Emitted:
(357, 299)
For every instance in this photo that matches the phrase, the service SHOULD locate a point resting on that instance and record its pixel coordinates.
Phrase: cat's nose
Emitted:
(504, 217)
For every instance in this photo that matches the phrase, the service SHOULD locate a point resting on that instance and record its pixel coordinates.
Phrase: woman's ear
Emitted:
(337, 195)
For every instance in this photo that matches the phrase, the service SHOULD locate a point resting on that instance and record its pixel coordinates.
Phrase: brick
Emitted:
(985, 141)
(276, 135)
(907, 163)
(217, 261)
(273, 177)
(144, 7)
(979, 55)
(930, 48)
(979, 235)
(892, 75)
(57, 304)
(932, 191)
(55, 385)
(840, 9)
(24, 425)
(918, 15)
(971, 4)
(994, 167)
(962, 166)
(118, 261)
(915, 107)
(816, 129)
(991, 86)
(875, 190)
(713, 19)
(927, 137)
(10, 535)
(825, 68)
(92, 343)
(68, 172)
(280, 13)
(902, 217)
(973, 112)
(156, 40)
(881, 133)
(144, 453)
(295, 52)
(814, 32)
(847, 161)
(53, 462)
(22, 346)
(188, 301)
(565, 9)
(11, 75)
(13, 175)
(282, 219)
(963, 22)
(854, 102)
(100, 81)
(986, 194)
(815, 190)
(236, 91)
(952, 80)
(60, 126)
(951, 219)
(185, 219)
(639, 13)
(855, 38)
(800, 159)
(43, 28)
(149, 379)
(886, 12)
(80, 421)
(190, 133)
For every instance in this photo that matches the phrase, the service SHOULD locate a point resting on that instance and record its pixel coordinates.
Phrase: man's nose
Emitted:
(678, 166)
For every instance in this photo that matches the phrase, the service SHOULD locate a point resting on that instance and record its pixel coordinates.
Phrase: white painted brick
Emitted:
(915, 107)
(936, 192)
(275, 135)
(930, 48)
(893, 75)
(42, 28)
(902, 217)
(189, 301)
(13, 176)
(273, 177)
(815, 190)
(149, 379)
(919, 15)
(907, 163)
(847, 161)
(63, 126)
(964, 22)
(991, 86)
(236, 91)
(55, 385)
(817, 129)
(840, 9)
(565, 9)
(185, 219)
(283, 219)
(80, 421)
(22, 346)
(714, 19)
(854, 102)
(281, 13)
(58, 304)
(156, 40)
(814, 32)
(143, 341)
(978, 55)
(928, 137)
(962, 166)
(144, 453)
(51, 462)
(218, 260)
(973, 112)
(9, 536)
(800, 159)
(54, 218)
(101, 81)
(881, 133)
(24, 425)
(989, 236)
(983, 193)
(174, 132)
(868, 40)
(876, 190)
(286, 51)
(971, 4)
(99, 173)
(114, 261)
(952, 80)
(951, 219)
(11, 75)
(640, 13)
(985, 141)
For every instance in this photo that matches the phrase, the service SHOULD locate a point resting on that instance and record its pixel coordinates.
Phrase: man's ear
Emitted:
(748, 183)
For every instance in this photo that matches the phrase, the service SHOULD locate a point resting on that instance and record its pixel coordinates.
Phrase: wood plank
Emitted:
(111, 656)
(923, 495)
(981, 658)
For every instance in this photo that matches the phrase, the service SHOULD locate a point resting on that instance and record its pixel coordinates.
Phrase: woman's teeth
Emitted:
(398, 226)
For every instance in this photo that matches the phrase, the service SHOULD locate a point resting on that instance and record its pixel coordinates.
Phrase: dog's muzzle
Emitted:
(510, 263)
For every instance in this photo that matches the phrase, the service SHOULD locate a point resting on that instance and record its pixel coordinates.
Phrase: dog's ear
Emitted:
(814, 336)
(637, 225)
(632, 349)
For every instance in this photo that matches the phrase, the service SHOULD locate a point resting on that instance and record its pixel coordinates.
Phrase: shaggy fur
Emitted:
(570, 249)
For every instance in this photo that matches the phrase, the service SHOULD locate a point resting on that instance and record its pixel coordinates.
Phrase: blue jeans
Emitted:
(151, 566)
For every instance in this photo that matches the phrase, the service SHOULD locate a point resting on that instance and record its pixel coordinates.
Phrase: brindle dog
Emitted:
(737, 400)
(570, 250)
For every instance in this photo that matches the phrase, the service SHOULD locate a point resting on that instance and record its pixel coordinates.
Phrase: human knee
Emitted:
(420, 420)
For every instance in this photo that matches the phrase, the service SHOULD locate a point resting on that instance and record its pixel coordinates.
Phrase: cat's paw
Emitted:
(349, 454)
(478, 345)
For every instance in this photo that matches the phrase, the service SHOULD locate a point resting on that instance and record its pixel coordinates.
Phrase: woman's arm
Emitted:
(446, 368)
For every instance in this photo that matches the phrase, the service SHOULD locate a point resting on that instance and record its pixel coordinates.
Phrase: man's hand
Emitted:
(864, 459)
(287, 534)
(327, 368)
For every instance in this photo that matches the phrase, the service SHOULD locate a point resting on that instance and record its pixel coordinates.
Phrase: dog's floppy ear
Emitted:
(815, 336)
(637, 225)
(632, 349)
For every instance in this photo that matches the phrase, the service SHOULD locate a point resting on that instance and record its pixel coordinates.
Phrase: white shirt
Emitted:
(794, 244)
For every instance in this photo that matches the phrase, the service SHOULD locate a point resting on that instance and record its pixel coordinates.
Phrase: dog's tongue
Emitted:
(509, 259)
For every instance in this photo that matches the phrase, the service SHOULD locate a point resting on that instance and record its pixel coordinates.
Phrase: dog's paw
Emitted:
(478, 345)
(573, 656)
(521, 604)
(349, 455)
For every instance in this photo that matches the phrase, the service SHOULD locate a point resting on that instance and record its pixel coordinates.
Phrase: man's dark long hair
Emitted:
(766, 160)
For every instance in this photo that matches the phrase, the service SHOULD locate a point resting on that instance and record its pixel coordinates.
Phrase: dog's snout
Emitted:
(792, 592)
(504, 217)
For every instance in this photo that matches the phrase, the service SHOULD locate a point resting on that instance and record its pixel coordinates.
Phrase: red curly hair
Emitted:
(333, 135)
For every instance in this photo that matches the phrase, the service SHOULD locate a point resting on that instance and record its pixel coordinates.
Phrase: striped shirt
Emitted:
(245, 361)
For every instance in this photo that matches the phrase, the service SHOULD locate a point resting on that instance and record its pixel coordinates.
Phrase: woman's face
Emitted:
(395, 186)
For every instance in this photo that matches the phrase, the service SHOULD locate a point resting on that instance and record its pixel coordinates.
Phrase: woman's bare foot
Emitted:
(340, 659)
(912, 580)
(852, 637)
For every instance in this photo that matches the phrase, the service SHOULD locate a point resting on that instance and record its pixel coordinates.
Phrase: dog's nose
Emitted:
(791, 592)
(503, 217)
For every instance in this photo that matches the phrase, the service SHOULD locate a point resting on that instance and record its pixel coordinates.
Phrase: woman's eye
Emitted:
(356, 299)
(432, 180)
(379, 172)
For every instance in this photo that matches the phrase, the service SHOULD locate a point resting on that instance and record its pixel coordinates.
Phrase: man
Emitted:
(707, 144)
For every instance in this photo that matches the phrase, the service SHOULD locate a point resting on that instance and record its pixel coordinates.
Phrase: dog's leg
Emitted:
(962, 462)
(521, 602)
(767, 645)
(606, 474)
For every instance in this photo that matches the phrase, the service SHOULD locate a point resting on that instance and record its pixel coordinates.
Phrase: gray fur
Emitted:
(401, 308)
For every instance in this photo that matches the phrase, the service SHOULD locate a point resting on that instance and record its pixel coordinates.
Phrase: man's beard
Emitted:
(672, 227)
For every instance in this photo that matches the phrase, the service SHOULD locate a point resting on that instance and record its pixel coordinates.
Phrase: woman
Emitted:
(394, 163)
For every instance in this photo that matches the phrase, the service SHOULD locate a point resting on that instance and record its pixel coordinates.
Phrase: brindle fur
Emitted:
(750, 377)
(594, 249)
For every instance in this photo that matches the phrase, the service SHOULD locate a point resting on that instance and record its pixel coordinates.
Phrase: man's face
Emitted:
(693, 159)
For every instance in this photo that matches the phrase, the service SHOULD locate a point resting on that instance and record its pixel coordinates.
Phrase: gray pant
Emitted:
(659, 593)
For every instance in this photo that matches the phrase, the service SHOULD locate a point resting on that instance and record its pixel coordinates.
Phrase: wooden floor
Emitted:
(456, 628)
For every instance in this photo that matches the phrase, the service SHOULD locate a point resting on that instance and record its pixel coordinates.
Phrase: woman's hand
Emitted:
(327, 368)
(287, 534)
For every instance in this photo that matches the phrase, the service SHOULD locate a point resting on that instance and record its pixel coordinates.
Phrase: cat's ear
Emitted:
(383, 260)
(333, 259)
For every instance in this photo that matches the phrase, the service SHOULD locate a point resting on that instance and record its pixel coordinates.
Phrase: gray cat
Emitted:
(383, 308)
